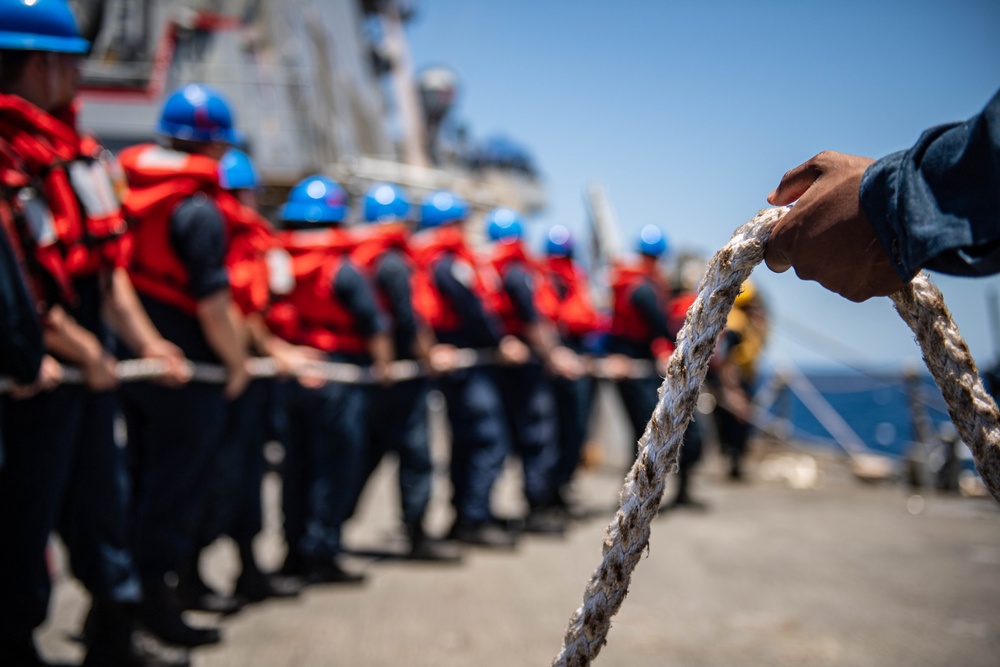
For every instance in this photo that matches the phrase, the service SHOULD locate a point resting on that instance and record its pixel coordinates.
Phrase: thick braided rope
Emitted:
(920, 304)
(947, 356)
(628, 534)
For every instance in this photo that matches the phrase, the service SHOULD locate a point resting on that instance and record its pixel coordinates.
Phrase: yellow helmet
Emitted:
(747, 295)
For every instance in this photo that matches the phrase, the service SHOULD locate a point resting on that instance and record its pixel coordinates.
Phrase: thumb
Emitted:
(777, 251)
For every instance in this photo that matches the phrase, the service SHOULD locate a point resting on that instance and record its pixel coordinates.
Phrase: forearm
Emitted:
(126, 315)
(67, 340)
(381, 348)
(224, 328)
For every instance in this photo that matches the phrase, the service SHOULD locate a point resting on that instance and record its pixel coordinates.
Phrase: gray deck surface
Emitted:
(841, 575)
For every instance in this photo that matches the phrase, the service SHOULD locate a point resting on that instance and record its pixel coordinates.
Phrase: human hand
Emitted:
(176, 369)
(50, 375)
(442, 358)
(101, 373)
(236, 384)
(513, 351)
(826, 236)
(566, 363)
(617, 366)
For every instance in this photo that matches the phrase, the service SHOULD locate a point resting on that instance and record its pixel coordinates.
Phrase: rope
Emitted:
(135, 370)
(920, 304)
(972, 410)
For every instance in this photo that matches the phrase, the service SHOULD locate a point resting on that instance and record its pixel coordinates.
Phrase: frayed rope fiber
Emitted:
(920, 305)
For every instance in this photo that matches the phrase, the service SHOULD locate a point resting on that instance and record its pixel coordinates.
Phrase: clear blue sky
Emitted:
(690, 112)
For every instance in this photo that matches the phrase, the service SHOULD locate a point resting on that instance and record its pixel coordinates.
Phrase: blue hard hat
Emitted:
(197, 112)
(315, 200)
(386, 202)
(441, 207)
(559, 242)
(504, 224)
(237, 171)
(651, 241)
(40, 25)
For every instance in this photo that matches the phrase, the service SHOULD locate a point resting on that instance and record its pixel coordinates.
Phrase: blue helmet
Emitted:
(651, 241)
(441, 207)
(386, 202)
(315, 200)
(40, 25)
(504, 224)
(237, 171)
(197, 112)
(559, 242)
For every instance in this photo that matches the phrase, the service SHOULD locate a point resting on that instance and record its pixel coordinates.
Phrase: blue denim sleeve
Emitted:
(937, 205)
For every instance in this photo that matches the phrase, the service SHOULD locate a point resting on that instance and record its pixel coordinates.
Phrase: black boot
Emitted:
(425, 548)
(194, 593)
(112, 640)
(256, 586)
(328, 571)
(160, 613)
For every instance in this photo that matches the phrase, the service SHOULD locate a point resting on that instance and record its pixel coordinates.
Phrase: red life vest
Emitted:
(627, 322)
(428, 248)
(312, 314)
(159, 180)
(373, 241)
(247, 261)
(62, 187)
(505, 256)
(573, 310)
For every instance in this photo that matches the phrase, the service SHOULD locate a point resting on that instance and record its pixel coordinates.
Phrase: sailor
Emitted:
(235, 502)
(460, 313)
(525, 389)
(180, 221)
(733, 372)
(400, 423)
(641, 300)
(21, 345)
(334, 309)
(64, 469)
(577, 321)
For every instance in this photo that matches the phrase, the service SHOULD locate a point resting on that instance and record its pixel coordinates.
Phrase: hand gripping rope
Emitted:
(920, 304)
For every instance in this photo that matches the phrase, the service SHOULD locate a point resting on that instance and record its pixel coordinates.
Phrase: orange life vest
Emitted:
(64, 189)
(504, 257)
(312, 314)
(247, 261)
(573, 310)
(373, 241)
(159, 180)
(627, 322)
(429, 247)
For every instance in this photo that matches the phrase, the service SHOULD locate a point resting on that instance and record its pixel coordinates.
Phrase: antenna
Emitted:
(607, 246)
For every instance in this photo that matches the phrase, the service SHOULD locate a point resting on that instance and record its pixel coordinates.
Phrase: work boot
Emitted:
(113, 641)
(20, 652)
(194, 593)
(545, 521)
(255, 586)
(425, 548)
(160, 613)
(488, 534)
(329, 571)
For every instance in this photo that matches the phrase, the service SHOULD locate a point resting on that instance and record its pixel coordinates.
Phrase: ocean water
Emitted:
(873, 405)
